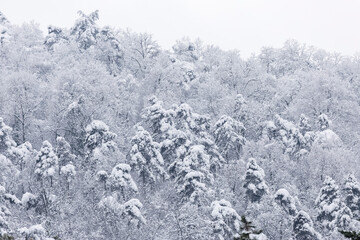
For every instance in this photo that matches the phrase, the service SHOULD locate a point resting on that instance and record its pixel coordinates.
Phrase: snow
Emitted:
(283, 197)
(97, 126)
(327, 139)
(37, 232)
(120, 177)
(12, 198)
(26, 198)
(68, 169)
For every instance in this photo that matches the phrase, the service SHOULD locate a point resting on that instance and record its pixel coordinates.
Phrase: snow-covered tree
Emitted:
(100, 146)
(240, 102)
(304, 124)
(76, 120)
(63, 152)
(6, 141)
(68, 172)
(344, 217)
(286, 132)
(159, 119)
(145, 157)
(328, 204)
(121, 181)
(4, 29)
(102, 176)
(225, 220)
(249, 232)
(97, 134)
(286, 201)
(132, 211)
(193, 175)
(4, 214)
(23, 155)
(324, 122)
(85, 30)
(46, 162)
(352, 194)
(29, 200)
(229, 137)
(36, 232)
(303, 227)
(255, 184)
(55, 35)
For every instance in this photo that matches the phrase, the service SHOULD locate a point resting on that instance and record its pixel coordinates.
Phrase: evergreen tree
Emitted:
(324, 122)
(76, 120)
(248, 231)
(6, 142)
(193, 175)
(55, 35)
(85, 31)
(304, 124)
(132, 211)
(121, 181)
(46, 163)
(328, 204)
(145, 157)
(4, 214)
(63, 152)
(255, 184)
(229, 137)
(101, 150)
(352, 194)
(286, 201)
(303, 227)
(159, 120)
(225, 220)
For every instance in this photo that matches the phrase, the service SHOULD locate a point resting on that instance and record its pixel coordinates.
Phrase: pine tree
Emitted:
(303, 227)
(6, 142)
(286, 201)
(352, 194)
(160, 120)
(101, 150)
(76, 119)
(132, 210)
(85, 31)
(229, 137)
(4, 214)
(248, 232)
(225, 220)
(328, 204)
(46, 162)
(121, 181)
(145, 157)
(4, 30)
(255, 184)
(193, 175)
(55, 35)
(63, 152)
(98, 134)
(304, 124)
(324, 122)
(344, 217)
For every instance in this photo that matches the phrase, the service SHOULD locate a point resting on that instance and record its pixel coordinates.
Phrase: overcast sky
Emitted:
(246, 25)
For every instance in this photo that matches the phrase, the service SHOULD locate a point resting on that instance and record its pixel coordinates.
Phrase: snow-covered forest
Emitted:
(105, 135)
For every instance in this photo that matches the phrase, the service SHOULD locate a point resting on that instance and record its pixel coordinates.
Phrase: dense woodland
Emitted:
(105, 135)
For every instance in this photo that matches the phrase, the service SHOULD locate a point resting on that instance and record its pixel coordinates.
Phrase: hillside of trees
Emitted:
(105, 135)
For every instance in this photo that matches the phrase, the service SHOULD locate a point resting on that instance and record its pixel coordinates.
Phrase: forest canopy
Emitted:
(105, 135)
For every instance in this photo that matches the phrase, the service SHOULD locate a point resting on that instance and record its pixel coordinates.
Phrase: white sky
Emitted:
(246, 25)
